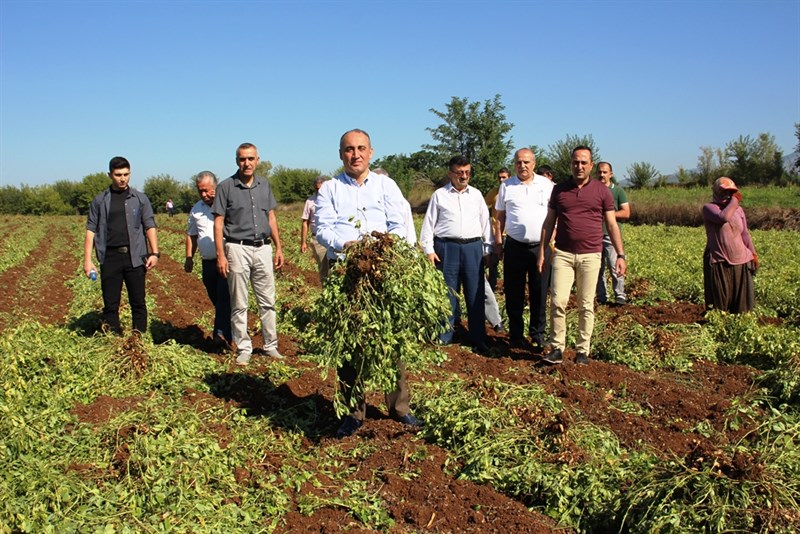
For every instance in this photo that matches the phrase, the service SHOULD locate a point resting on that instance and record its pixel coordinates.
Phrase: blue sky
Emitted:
(175, 86)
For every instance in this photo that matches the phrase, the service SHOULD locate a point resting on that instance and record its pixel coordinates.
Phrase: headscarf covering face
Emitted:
(722, 190)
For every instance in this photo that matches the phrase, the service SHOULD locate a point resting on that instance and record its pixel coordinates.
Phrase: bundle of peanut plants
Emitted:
(378, 307)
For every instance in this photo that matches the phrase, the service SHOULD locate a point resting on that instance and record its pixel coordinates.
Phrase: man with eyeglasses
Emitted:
(456, 236)
(521, 210)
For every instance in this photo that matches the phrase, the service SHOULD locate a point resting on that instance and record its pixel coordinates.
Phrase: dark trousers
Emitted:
(521, 267)
(217, 289)
(117, 269)
(462, 267)
(728, 287)
(396, 401)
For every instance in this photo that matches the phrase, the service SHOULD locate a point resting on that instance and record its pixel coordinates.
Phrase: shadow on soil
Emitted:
(87, 324)
(313, 415)
(191, 335)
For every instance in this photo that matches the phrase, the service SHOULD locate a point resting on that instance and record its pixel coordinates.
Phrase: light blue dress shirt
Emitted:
(345, 211)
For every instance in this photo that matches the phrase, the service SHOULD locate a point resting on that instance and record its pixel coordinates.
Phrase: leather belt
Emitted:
(121, 250)
(250, 242)
(459, 240)
(510, 240)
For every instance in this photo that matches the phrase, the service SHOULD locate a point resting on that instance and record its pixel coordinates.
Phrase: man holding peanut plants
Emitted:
(579, 206)
(457, 237)
(351, 205)
(245, 229)
(121, 228)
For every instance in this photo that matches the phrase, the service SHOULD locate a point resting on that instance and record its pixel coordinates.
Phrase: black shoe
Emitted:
(409, 420)
(518, 342)
(582, 358)
(349, 426)
(555, 356)
(620, 302)
(499, 328)
(481, 348)
(537, 341)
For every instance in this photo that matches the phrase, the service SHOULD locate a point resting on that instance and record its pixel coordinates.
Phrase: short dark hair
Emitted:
(545, 169)
(581, 147)
(118, 162)
(457, 161)
(505, 170)
(610, 168)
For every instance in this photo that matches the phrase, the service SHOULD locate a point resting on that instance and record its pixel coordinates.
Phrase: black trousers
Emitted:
(521, 268)
(217, 289)
(117, 269)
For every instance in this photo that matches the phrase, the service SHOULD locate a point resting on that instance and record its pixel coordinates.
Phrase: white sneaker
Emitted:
(243, 359)
(274, 354)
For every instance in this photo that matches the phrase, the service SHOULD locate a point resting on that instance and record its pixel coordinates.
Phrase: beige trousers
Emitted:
(582, 269)
(251, 265)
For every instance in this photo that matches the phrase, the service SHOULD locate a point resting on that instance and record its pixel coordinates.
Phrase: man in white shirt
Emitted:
(200, 234)
(457, 237)
(411, 231)
(351, 205)
(521, 210)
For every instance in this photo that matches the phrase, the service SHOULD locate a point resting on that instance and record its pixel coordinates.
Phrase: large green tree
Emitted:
(160, 188)
(477, 130)
(422, 165)
(755, 161)
(90, 187)
(292, 185)
(642, 174)
(559, 155)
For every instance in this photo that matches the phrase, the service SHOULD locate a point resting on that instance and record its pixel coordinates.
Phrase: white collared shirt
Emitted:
(456, 214)
(201, 224)
(525, 205)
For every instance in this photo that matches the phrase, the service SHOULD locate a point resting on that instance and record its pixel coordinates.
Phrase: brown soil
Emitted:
(657, 411)
(44, 302)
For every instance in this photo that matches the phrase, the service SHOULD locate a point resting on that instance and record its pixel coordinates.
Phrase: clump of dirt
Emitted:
(104, 408)
(365, 264)
(133, 354)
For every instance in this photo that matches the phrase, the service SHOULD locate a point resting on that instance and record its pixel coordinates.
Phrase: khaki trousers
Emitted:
(582, 269)
(323, 264)
(251, 265)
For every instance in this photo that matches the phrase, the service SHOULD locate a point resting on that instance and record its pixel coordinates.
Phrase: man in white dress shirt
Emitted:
(457, 237)
(200, 235)
(521, 210)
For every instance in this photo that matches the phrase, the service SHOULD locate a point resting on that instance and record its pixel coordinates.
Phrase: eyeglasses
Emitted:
(461, 172)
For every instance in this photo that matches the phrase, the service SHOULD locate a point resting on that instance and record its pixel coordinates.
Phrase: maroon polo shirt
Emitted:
(580, 215)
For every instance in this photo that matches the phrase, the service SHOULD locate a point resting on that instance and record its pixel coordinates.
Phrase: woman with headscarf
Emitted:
(730, 259)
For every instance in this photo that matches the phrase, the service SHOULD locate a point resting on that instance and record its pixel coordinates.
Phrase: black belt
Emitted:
(511, 240)
(121, 250)
(458, 240)
(250, 242)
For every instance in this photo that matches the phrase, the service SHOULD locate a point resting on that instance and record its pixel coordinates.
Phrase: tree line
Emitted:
(478, 130)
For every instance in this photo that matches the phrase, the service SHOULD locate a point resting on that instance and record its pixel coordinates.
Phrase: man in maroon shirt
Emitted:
(579, 206)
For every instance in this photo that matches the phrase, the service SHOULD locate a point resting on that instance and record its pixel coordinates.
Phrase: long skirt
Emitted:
(728, 287)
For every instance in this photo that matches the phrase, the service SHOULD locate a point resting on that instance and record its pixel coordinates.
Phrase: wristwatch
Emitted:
(621, 256)
(156, 254)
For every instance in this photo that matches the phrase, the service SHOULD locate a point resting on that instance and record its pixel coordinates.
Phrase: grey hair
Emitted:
(203, 175)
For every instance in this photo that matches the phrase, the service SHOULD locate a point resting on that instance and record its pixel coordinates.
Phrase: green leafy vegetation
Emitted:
(373, 313)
